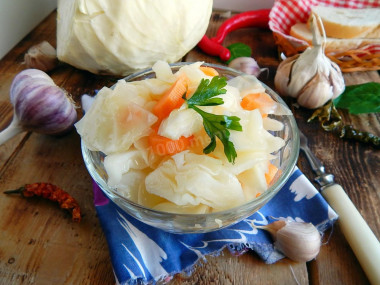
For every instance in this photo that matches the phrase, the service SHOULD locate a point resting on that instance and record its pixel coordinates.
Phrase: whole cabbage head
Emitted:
(120, 36)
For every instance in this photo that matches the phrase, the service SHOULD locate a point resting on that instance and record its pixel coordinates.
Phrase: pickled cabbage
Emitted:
(121, 122)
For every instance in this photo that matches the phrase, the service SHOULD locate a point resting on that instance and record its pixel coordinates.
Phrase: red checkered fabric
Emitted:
(286, 13)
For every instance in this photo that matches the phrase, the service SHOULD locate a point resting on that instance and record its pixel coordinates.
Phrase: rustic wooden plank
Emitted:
(244, 269)
(38, 241)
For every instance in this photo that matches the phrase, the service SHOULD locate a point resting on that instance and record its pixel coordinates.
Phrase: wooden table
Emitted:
(39, 244)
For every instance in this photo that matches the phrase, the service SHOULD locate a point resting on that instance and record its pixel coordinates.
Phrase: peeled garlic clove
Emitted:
(42, 56)
(245, 64)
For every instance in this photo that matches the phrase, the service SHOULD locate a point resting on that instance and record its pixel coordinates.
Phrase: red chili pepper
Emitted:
(212, 48)
(257, 18)
(53, 193)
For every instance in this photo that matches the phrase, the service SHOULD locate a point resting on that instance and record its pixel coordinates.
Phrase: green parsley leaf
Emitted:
(359, 99)
(216, 126)
(206, 90)
(239, 50)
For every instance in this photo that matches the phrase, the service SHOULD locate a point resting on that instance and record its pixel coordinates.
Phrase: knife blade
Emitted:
(358, 234)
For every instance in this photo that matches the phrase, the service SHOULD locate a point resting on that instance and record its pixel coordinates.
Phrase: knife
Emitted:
(358, 234)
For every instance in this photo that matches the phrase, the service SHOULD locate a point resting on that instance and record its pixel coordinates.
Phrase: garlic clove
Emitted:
(299, 241)
(337, 80)
(245, 64)
(273, 227)
(283, 76)
(42, 56)
(316, 93)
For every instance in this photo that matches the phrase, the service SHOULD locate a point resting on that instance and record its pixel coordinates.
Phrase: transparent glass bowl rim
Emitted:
(261, 200)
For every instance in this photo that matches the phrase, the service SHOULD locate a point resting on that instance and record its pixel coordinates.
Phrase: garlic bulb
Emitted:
(297, 240)
(311, 77)
(39, 106)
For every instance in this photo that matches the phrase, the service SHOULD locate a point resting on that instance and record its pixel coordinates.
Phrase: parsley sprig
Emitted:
(215, 125)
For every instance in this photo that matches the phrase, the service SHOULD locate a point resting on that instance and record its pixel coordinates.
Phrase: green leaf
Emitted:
(360, 99)
(206, 90)
(216, 126)
(239, 50)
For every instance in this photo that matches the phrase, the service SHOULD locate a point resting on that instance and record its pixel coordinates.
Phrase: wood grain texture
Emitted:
(40, 245)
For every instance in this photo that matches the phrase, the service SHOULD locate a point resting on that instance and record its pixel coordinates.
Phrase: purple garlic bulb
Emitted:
(39, 105)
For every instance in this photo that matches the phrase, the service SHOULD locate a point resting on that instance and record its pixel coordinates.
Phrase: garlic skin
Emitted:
(297, 240)
(245, 64)
(39, 106)
(42, 56)
(311, 76)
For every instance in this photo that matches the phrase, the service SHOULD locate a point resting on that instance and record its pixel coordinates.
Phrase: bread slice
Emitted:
(347, 23)
(301, 31)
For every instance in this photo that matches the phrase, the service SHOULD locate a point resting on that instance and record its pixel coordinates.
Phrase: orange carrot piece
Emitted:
(171, 99)
(261, 101)
(165, 146)
(272, 170)
(209, 71)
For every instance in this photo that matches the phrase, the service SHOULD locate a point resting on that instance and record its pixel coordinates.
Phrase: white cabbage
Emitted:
(119, 36)
(231, 101)
(163, 71)
(254, 136)
(246, 84)
(115, 120)
(189, 179)
(174, 208)
(155, 86)
(118, 164)
(181, 122)
(253, 180)
(130, 184)
(272, 125)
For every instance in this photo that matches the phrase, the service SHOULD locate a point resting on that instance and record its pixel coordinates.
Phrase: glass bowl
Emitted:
(201, 223)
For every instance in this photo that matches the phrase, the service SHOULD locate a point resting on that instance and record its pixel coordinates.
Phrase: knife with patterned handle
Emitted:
(358, 234)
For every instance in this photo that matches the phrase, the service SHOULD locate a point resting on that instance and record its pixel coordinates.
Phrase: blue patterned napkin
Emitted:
(140, 252)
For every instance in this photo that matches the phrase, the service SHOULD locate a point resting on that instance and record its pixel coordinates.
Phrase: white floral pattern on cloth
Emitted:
(143, 254)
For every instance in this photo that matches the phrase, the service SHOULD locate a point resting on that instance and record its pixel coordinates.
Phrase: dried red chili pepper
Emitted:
(213, 46)
(53, 193)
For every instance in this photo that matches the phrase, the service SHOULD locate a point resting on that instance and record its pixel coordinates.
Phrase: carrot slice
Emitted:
(171, 99)
(165, 146)
(261, 101)
(209, 71)
(272, 170)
